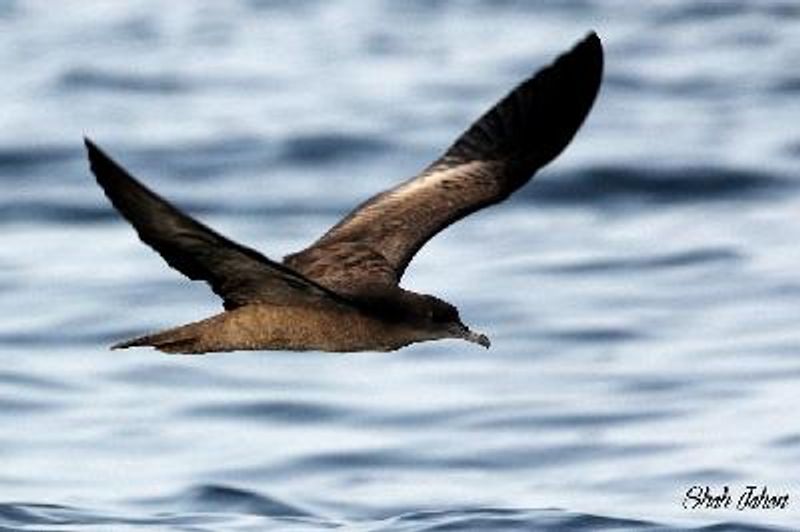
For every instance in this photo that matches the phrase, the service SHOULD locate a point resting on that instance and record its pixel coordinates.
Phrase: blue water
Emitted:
(642, 294)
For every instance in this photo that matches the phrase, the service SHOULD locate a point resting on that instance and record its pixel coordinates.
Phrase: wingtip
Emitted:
(102, 166)
(587, 56)
(591, 42)
(92, 151)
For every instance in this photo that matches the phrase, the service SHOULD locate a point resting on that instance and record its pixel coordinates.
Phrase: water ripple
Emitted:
(81, 79)
(291, 412)
(675, 260)
(321, 149)
(19, 161)
(645, 316)
(603, 184)
(221, 508)
(226, 499)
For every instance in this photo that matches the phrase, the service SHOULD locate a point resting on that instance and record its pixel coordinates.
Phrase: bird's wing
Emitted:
(497, 155)
(239, 275)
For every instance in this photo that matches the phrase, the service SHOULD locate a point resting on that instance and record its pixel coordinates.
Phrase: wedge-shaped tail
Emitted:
(186, 339)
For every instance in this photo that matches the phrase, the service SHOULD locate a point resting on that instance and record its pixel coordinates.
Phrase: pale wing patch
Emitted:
(495, 156)
(399, 221)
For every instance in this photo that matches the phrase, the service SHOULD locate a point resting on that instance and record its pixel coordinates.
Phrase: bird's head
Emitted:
(442, 319)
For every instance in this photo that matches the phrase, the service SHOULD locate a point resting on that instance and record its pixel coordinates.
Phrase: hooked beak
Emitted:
(470, 336)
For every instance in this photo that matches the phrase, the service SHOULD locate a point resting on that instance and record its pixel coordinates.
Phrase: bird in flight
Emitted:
(342, 293)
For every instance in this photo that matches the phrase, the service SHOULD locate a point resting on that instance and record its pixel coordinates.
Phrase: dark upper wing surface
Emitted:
(238, 274)
(498, 154)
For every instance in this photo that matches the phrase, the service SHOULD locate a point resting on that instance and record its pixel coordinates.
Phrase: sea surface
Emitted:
(642, 294)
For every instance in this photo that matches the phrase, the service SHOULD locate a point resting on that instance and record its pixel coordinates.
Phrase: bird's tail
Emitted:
(186, 339)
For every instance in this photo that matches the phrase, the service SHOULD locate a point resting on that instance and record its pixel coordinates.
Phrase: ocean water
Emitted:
(642, 293)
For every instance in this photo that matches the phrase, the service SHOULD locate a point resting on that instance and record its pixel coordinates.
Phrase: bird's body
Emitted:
(342, 293)
(291, 328)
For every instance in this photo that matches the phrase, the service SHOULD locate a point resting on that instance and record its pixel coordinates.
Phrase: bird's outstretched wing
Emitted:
(497, 155)
(239, 275)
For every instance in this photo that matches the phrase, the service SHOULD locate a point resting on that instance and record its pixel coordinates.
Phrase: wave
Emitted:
(220, 498)
(590, 186)
(700, 256)
(53, 211)
(223, 508)
(319, 149)
(601, 184)
(687, 12)
(79, 79)
(19, 161)
(269, 411)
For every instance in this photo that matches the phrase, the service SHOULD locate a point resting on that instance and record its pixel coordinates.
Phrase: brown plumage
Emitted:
(342, 293)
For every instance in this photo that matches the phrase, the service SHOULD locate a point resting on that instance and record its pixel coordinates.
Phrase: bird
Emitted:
(343, 293)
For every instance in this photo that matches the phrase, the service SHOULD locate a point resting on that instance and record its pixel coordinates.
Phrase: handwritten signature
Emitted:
(749, 498)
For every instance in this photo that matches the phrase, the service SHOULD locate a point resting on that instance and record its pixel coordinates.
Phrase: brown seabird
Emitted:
(342, 293)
